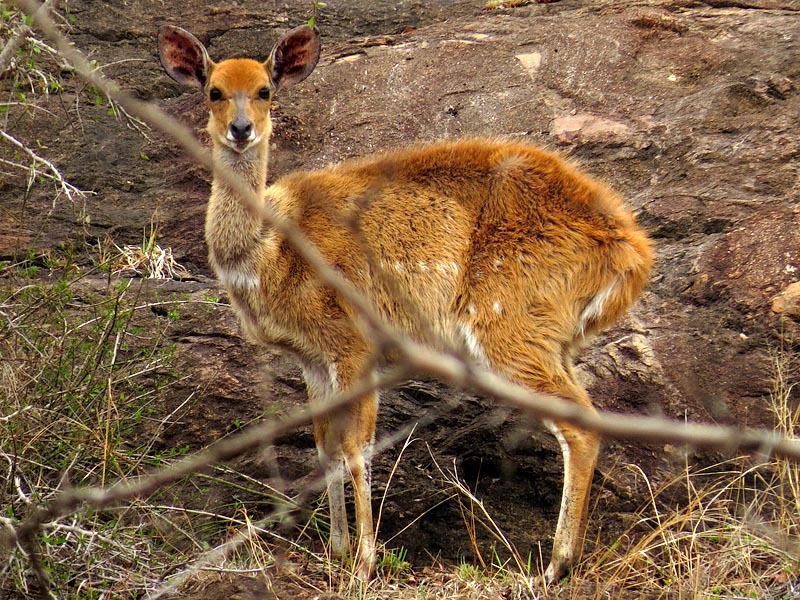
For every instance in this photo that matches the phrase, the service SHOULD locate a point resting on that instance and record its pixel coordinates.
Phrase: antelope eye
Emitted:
(263, 93)
(214, 95)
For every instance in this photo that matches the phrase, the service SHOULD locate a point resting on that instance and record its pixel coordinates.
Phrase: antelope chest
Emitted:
(244, 288)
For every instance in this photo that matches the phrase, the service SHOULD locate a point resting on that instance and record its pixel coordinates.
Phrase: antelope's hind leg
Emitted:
(579, 449)
(540, 365)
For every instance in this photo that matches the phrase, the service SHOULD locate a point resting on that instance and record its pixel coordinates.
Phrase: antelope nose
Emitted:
(241, 129)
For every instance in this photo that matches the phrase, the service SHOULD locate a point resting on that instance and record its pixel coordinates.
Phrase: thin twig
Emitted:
(262, 435)
(447, 366)
(17, 39)
(54, 174)
(415, 358)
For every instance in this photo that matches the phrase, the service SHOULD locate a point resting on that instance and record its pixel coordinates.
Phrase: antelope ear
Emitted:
(294, 57)
(184, 58)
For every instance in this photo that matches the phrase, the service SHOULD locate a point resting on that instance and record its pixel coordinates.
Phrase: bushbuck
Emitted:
(499, 249)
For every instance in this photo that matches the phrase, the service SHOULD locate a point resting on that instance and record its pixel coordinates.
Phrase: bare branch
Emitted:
(419, 358)
(18, 38)
(53, 173)
(415, 358)
(262, 435)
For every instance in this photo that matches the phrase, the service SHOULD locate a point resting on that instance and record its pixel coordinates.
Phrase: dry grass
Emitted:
(83, 374)
(78, 378)
(148, 259)
(735, 533)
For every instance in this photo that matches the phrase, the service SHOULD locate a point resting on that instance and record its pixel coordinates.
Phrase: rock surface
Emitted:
(688, 108)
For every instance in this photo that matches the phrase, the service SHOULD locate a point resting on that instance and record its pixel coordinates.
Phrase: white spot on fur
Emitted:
(525, 259)
(498, 262)
(399, 267)
(423, 266)
(333, 375)
(319, 381)
(472, 309)
(240, 280)
(473, 345)
(594, 309)
(498, 308)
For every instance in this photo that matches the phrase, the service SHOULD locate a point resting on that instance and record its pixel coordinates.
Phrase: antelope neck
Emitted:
(233, 224)
(250, 165)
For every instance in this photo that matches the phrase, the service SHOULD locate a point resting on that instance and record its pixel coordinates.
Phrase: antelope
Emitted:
(509, 252)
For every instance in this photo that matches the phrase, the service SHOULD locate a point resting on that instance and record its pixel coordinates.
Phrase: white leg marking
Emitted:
(319, 381)
(334, 478)
(333, 376)
(473, 345)
(565, 453)
(366, 542)
(596, 306)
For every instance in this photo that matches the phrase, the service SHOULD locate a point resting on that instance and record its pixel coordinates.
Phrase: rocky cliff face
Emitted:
(688, 108)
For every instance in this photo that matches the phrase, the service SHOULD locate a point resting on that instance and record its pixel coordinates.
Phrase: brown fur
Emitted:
(495, 247)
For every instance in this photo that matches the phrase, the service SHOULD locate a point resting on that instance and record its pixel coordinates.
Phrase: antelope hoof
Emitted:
(556, 571)
(365, 565)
